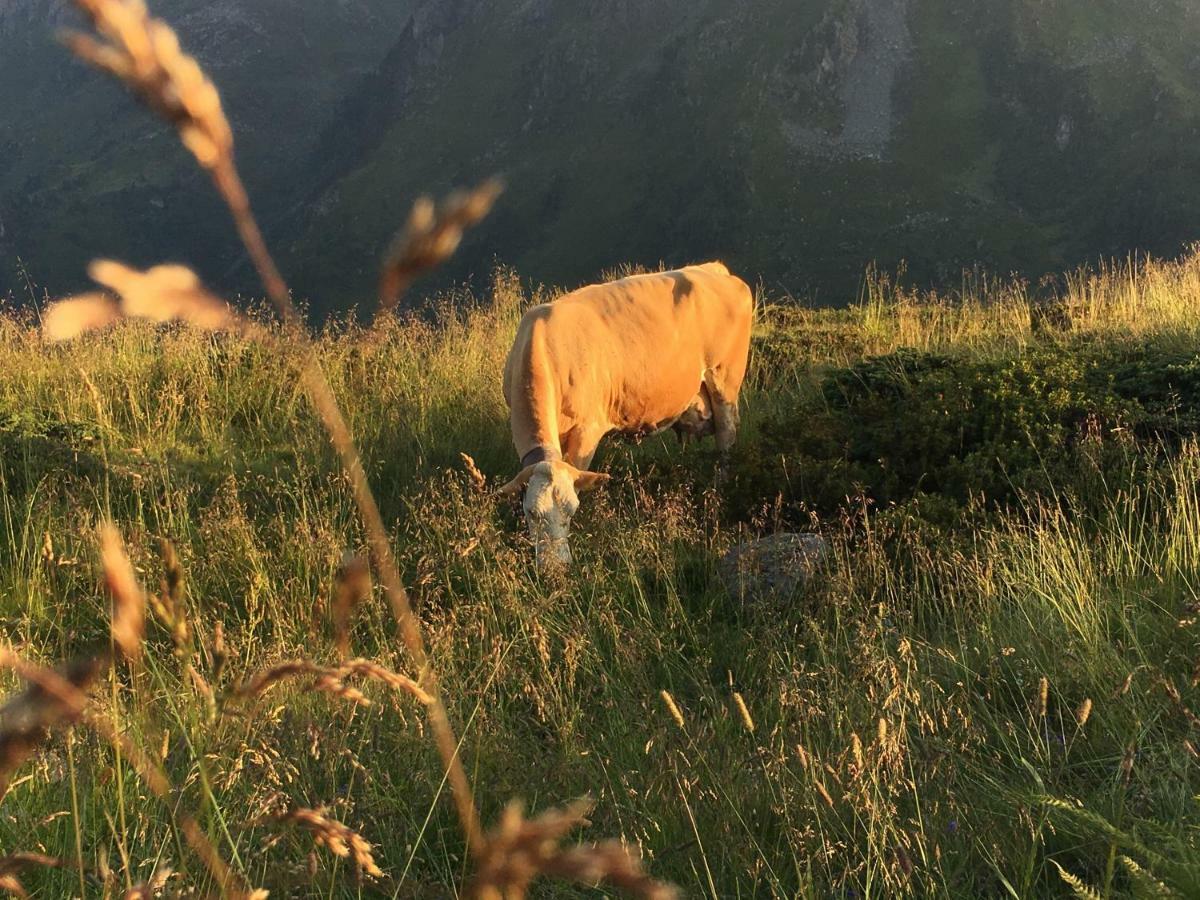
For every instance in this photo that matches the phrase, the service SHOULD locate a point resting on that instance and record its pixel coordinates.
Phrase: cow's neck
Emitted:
(540, 454)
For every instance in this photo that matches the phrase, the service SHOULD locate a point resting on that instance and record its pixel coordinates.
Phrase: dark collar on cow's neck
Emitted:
(539, 454)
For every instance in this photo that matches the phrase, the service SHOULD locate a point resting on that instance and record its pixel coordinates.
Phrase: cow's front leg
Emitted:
(580, 446)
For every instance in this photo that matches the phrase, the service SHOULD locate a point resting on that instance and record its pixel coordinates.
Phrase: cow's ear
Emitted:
(517, 484)
(589, 481)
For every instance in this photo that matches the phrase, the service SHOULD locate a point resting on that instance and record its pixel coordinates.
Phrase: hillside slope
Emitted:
(87, 172)
(799, 140)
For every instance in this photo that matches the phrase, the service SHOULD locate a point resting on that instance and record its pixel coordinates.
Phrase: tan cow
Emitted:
(634, 356)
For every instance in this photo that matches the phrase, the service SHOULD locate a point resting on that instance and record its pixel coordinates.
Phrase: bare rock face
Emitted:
(774, 567)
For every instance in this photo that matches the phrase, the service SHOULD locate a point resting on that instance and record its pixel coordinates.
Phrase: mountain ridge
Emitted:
(798, 140)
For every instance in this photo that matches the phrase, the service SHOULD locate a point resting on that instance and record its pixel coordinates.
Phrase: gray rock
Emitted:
(773, 567)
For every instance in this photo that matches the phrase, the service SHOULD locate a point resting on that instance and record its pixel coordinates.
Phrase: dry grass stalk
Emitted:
(168, 605)
(52, 700)
(144, 53)
(339, 839)
(161, 294)
(367, 669)
(431, 237)
(147, 58)
(352, 585)
(1043, 697)
(518, 850)
(478, 479)
(129, 600)
(328, 680)
(69, 704)
(231, 884)
(17, 862)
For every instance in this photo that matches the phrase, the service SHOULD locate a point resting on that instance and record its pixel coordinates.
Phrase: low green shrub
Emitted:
(966, 428)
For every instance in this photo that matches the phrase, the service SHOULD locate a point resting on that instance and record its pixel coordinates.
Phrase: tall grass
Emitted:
(899, 743)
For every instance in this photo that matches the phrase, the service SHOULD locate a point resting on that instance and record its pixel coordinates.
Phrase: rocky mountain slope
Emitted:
(798, 139)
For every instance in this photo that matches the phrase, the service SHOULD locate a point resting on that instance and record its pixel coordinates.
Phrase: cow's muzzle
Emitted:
(552, 553)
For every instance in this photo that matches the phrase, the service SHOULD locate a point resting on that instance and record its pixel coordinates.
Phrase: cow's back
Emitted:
(635, 350)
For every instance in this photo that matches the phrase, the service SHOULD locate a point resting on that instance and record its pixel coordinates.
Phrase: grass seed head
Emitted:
(145, 54)
(129, 600)
(165, 293)
(743, 711)
(519, 850)
(431, 237)
(352, 585)
(18, 862)
(364, 668)
(337, 838)
(150, 888)
(1125, 685)
(673, 709)
(218, 652)
(67, 319)
(52, 699)
(262, 682)
(825, 795)
(1127, 761)
(1084, 712)
(904, 861)
(478, 479)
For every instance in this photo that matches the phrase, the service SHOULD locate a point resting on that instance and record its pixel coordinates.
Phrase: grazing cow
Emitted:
(633, 356)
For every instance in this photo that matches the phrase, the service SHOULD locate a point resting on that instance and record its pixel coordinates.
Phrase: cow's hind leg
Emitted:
(725, 412)
(725, 422)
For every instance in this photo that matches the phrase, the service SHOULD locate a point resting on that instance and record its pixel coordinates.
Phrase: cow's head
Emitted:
(552, 490)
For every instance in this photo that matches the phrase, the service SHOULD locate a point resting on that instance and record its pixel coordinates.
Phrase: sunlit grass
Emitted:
(899, 744)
